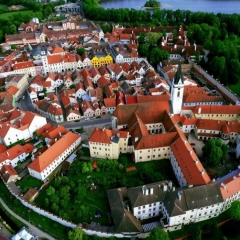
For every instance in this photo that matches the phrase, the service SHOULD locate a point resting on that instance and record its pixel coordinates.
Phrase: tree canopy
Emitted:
(234, 210)
(158, 234)
(76, 234)
(214, 150)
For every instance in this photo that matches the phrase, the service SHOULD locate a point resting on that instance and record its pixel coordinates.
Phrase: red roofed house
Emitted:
(25, 68)
(49, 160)
(112, 143)
(110, 104)
(15, 154)
(8, 173)
(87, 109)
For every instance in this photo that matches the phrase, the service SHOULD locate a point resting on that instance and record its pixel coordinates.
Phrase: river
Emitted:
(215, 6)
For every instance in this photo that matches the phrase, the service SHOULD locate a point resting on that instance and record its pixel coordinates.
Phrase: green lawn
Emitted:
(235, 88)
(82, 203)
(27, 182)
(7, 15)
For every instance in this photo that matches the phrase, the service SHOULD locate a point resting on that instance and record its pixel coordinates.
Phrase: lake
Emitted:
(215, 6)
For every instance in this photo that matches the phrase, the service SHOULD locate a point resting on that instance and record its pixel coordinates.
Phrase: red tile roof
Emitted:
(46, 158)
(103, 135)
(23, 65)
(189, 163)
(230, 186)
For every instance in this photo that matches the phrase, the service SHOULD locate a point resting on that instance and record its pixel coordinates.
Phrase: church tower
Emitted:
(177, 91)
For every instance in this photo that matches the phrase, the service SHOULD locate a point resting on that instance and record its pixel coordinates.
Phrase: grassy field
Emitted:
(96, 200)
(235, 88)
(28, 182)
(8, 15)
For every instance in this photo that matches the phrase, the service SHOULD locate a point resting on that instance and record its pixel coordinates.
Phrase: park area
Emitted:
(80, 195)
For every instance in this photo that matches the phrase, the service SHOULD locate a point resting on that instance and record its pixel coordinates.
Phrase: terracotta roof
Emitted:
(12, 90)
(46, 158)
(222, 109)
(56, 132)
(43, 129)
(109, 102)
(230, 186)
(54, 59)
(189, 163)
(23, 65)
(150, 112)
(28, 118)
(57, 49)
(201, 97)
(103, 135)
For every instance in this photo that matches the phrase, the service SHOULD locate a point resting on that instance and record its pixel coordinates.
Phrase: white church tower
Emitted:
(177, 91)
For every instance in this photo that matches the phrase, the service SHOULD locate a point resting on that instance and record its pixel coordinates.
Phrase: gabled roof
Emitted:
(110, 102)
(23, 65)
(47, 157)
(189, 163)
(124, 221)
(103, 135)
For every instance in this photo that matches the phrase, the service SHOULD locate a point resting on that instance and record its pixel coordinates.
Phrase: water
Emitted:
(215, 6)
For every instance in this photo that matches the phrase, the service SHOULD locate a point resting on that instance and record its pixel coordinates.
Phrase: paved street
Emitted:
(32, 228)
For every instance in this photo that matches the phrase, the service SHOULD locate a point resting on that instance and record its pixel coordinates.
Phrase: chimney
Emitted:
(146, 191)
(136, 139)
(164, 187)
(234, 177)
(170, 184)
(143, 189)
(202, 171)
(179, 195)
(223, 185)
(199, 110)
(7, 153)
(195, 47)
(151, 191)
(173, 188)
(175, 46)
(213, 180)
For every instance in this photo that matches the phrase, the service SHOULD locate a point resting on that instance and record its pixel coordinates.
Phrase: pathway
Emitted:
(33, 229)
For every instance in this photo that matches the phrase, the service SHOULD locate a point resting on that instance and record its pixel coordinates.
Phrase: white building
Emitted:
(48, 161)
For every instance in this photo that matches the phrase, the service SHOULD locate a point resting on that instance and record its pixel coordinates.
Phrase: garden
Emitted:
(80, 196)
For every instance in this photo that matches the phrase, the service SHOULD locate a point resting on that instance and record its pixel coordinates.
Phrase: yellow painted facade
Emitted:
(97, 62)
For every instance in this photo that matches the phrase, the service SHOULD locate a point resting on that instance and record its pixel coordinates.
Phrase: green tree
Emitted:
(234, 210)
(214, 150)
(80, 51)
(143, 50)
(76, 234)
(50, 191)
(152, 38)
(46, 202)
(158, 234)
(64, 191)
(55, 207)
(156, 55)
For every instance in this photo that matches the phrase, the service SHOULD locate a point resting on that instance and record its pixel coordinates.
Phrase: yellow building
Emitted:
(101, 61)
(108, 144)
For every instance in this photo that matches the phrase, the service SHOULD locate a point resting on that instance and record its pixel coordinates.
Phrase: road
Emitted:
(33, 229)
(26, 103)
(88, 123)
